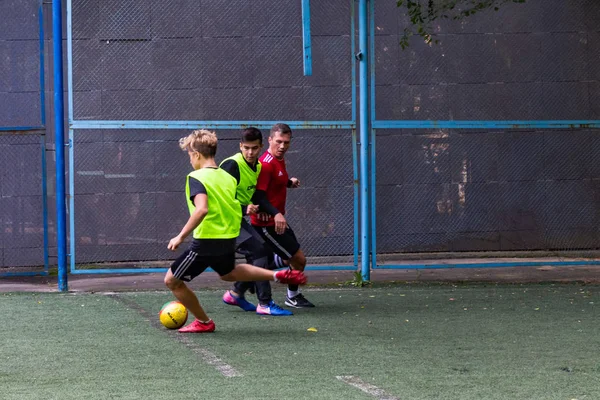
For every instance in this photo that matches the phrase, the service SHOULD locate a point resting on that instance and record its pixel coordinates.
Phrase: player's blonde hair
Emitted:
(202, 141)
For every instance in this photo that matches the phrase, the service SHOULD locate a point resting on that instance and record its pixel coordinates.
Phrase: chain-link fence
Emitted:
(321, 211)
(23, 218)
(130, 200)
(234, 62)
(21, 64)
(486, 189)
(532, 61)
(451, 190)
(211, 60)
(457, 191)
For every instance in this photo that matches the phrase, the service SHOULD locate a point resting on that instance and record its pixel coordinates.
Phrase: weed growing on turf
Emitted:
(358, 280)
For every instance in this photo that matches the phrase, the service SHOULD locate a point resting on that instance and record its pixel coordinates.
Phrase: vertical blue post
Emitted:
(354, 139)
(72, 256)
(59, 141)
(307, 49)
(372, 143)
(45, 202)
(42, 63)
(363, 76)
(43, 137)
(356, 233)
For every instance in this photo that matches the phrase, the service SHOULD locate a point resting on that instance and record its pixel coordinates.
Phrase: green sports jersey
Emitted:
(224, 211)
(248, 178)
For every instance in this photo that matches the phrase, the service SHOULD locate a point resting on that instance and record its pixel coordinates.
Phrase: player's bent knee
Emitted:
(230, 277)
(171, 282)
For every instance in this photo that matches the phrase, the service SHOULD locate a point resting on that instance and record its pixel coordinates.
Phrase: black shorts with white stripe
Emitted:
(191, 264)
(284, 245)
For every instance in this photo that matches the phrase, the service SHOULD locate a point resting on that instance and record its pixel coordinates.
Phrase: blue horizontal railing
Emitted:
(487, 124)
(83, 124)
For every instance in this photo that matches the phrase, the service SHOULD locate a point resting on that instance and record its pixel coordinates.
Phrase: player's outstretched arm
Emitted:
(201, 203)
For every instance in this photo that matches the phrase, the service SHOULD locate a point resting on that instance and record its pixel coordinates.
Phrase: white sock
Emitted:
(293, 293)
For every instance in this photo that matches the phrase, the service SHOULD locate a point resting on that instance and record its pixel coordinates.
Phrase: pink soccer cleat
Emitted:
(290, 276)
(229, 298)
(199, 327)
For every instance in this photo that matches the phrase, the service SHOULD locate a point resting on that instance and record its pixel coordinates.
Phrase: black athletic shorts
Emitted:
(285, 245)
(190, 264)
(247, 234)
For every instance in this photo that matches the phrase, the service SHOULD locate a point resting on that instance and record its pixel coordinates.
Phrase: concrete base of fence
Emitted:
(154, 281)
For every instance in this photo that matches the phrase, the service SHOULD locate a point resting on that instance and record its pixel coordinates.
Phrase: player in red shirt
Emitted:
(274, 229)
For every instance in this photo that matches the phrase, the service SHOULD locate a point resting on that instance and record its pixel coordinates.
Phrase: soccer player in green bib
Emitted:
(215, 220)
(245, 168)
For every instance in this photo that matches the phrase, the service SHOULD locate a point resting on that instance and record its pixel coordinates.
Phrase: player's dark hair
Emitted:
(283, 129)
(252, 134)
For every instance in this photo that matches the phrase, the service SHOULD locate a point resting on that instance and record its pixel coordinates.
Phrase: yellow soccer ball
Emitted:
(173, 315)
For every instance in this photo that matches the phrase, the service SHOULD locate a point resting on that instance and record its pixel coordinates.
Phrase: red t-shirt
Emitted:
(273, 179)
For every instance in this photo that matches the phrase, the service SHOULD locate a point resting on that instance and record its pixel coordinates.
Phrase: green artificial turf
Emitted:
(410, 342)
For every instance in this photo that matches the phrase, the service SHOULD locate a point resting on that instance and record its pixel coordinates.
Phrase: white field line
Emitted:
(372, 390)
(184, 338)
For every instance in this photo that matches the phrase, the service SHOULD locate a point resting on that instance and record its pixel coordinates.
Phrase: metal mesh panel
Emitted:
(456, 191)
(210, 60)
(128, 188)
(21, 207)
(528, 61)
(129, 192)
(20, 103)
(321, 211)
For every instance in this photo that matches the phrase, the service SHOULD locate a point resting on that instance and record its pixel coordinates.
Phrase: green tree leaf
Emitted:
(422, 14)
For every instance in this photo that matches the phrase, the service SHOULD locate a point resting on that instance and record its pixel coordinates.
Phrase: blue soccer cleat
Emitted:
(229, 298)
(272, 309)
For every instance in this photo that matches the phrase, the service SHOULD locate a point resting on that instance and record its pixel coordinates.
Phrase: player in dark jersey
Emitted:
(275, 231)
(245, 168)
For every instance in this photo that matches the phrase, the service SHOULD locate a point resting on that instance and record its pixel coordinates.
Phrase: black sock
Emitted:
(293, 288)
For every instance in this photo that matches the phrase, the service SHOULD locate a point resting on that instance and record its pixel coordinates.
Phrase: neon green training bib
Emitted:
(224, 211)
(248, 178)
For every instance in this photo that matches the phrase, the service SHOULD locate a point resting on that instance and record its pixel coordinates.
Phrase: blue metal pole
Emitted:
(363, 76)
(99, 271)
(72, 254)
(354, 139)
(497, 264)
(43, 137)
(45, 203)
(307, 48)
(21, 128)
(355, 208)
(161, 124)
(373, 138)
(486, 124)
(42, 63)
(59, 141)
